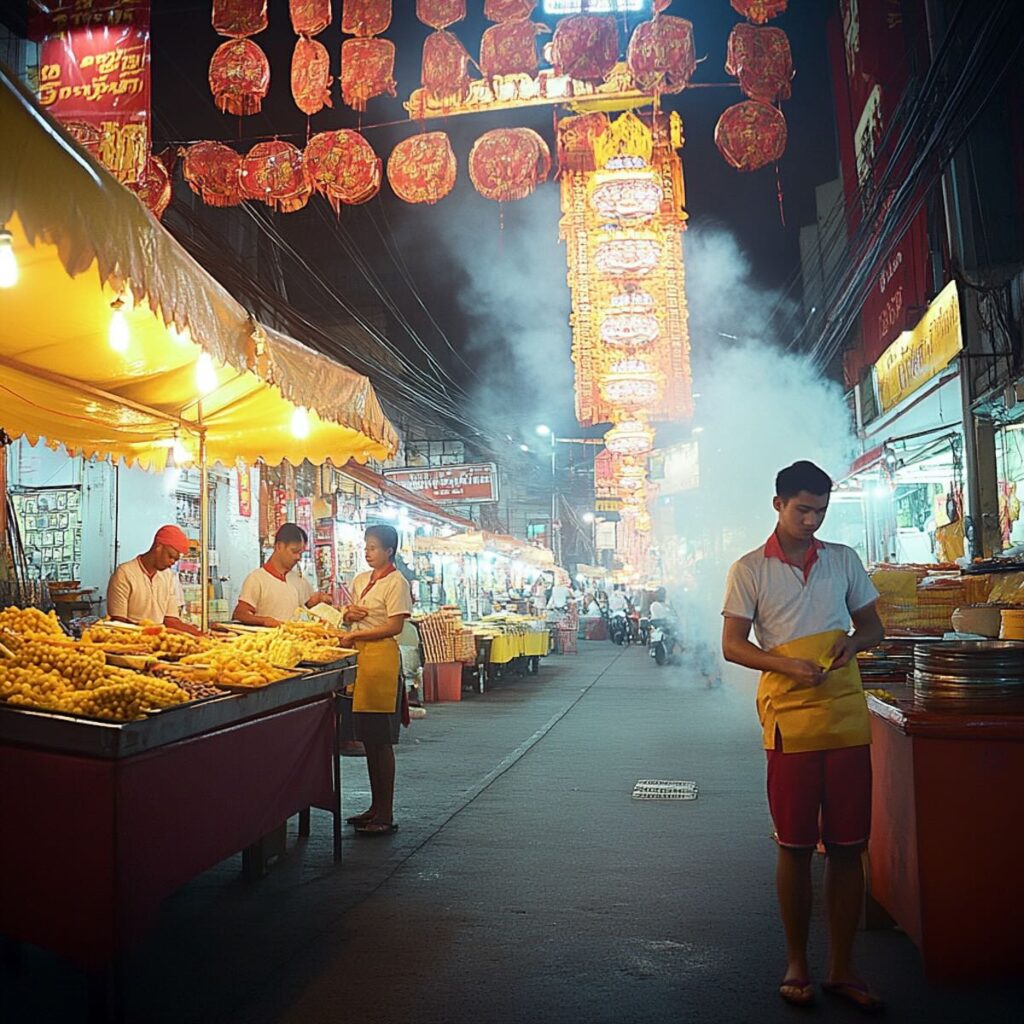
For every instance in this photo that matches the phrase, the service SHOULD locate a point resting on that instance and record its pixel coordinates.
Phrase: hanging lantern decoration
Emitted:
(213, 172)
(422, 169)
(445, 68)
(239, 77)
(642, 523)
(761, 59)
(510, 49)
(629, 327)
(311, 76)
(508, 10)
(508, 163)
(661, 55)
(636, 500)
(751, 135)
(631, 484)
(585, 47)
(576, 137)
(154, 188)
(631, 383)
(439, 14)
(628, 256)
(630, 437)
(342, 166)
(626, 194)
(759, 11)
(273, 173)
(365, 17)
(309, 17)
(367, 70)
(239, 18)
(629, 466)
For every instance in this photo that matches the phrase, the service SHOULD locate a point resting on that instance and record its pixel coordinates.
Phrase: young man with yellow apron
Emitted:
(383, 603)
(800, 595)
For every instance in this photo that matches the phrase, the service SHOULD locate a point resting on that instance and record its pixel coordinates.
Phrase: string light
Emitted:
(206, 374)
(300, 422)
(8, 261)
(118, 335)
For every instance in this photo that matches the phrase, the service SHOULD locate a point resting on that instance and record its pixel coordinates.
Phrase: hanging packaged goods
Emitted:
(661, 55)
(510, 49)
(422, 169)
(759, 11)
(309, 17)
(439, 14)
(508, 10)
(342, 166)
(751, 135)
(311, 76)
(761, 59)
(508, 163)
(239, 18)
(213, 171)
(273, 173)
(585, 47)
(445, 73)
(367, 70)
(239, 77)
(365, 17)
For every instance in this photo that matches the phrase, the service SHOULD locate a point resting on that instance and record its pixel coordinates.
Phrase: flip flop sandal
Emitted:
(797, 991)
(376, 828)
(358, 819)
(854, 992)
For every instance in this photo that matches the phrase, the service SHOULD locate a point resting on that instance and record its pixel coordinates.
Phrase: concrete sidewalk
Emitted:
(524, 884)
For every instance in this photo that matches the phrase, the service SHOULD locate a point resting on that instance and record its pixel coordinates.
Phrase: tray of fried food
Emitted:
(152, 639)
(233, 670)
(29, 620)
(324, 655)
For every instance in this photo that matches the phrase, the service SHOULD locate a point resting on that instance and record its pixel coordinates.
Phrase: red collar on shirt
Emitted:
(142, 566)
(273, 572)
(374, 578)
(773, 549)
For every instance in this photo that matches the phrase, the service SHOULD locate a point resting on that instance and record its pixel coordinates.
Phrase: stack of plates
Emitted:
(969, 668)
(1011, 624)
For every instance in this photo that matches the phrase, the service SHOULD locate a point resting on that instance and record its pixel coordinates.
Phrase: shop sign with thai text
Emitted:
(918, 355)
(452, 485)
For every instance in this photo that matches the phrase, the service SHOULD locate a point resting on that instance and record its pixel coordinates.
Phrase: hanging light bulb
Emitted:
(300, 422)
(206, 375)
(8, 262)
(180, 337)
(118, 335)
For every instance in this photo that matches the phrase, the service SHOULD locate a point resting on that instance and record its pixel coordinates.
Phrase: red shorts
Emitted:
(820, 794)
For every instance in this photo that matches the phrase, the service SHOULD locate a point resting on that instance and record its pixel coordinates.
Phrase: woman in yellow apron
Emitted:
(383, 603)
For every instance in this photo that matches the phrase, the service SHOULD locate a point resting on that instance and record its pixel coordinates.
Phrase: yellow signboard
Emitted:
(918, 355)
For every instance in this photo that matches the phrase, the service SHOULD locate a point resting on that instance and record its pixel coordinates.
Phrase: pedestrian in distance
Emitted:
(800, 595)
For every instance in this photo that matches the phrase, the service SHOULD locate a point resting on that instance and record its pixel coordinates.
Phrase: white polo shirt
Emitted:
(390, 595)
(133, 594)
(785, 606)
(270, 596)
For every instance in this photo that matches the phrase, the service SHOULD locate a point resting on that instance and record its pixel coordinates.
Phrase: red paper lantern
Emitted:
(239, 77)
(365, 17)
(661, 55)
(445, 67)
(273, 173)
(422, 169)
(758, 11)
(585, 47)
(311, 76)
(342, 166)
(508, 10)
(508, 163)
(310, 17)
(510, 49)
(239, 18)
(751, 135)
(440, 14)
(213, 171)
(367, 70)
(154, 188)
(761, 59)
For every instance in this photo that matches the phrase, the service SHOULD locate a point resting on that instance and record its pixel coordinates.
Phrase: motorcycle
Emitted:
(618, 629)
(664, 645)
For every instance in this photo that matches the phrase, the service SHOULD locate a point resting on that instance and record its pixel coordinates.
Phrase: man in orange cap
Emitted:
(145, 587)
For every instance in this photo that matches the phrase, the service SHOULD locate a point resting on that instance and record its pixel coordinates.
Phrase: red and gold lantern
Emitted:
(761, 59)
(576, 136)
(445, 67)
(309, 17)
(365, 17)
(751, 135)
(213, 172)
(239, 18)
(628, 325)
(510, 49)
(273, 172)
(630, 437)
(626, 194)
(440, 14)
(311, 76)
(422, 169)
(342, 166)
(154, 188)
(759, 11)
(585, 47)
(628, 256)
(661, 55)
(508, 163)
(239, 77)
(631, 384)
(367, 70)
(508, 10)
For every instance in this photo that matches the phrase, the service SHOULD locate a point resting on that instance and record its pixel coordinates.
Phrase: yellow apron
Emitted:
(377, 670)
(825, 717)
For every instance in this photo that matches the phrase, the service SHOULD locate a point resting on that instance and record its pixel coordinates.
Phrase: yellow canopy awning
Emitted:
(59, 377)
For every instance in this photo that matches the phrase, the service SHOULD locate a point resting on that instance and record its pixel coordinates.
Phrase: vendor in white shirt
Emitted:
(617, 601)
(660, 608)
(145, 589)
(272, 593)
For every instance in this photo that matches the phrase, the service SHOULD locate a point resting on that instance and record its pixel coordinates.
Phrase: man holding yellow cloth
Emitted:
(800, 595)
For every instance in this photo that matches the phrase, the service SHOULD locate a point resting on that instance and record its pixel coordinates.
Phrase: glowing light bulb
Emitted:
(181, 337)
(8, 262)
(206, 375)
(118, 335)
(180, 452)
(300, 422)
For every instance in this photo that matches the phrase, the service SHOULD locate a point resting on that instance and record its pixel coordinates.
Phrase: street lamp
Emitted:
(543, 430)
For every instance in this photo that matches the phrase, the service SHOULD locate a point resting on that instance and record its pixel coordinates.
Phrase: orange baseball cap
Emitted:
(173, 537)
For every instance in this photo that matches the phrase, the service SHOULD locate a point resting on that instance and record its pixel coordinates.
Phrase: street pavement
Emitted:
(524, 883)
